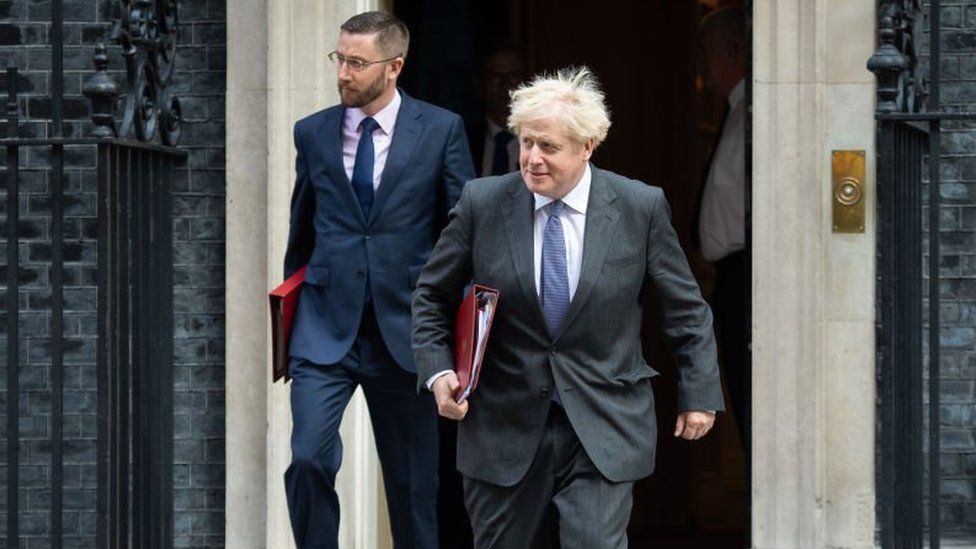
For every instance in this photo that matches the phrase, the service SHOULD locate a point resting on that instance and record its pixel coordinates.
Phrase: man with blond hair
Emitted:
(562, 423)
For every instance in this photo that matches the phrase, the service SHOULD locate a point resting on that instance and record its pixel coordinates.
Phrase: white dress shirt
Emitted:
(574, 225)
(488, 158)
(721, 224)
(382, 137)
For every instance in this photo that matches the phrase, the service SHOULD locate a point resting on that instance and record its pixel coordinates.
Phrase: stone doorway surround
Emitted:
(277, 73)
(813, 291)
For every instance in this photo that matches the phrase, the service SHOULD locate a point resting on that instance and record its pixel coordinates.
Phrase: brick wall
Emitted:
(198, 273)
(958, 269)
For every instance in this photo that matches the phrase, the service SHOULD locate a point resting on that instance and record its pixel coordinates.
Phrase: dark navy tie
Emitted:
(499, 162)
(555, 278)
(362, 170)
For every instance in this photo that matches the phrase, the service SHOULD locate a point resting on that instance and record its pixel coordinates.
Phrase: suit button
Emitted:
(360, 274)
(368, 237)
(545, 392)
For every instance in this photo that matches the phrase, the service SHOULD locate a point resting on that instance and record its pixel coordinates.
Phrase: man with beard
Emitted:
(375, 178)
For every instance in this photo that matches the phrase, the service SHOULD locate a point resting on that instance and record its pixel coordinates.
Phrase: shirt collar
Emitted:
(737, 94)
(576, 199)
(386, 118)
(493, 128)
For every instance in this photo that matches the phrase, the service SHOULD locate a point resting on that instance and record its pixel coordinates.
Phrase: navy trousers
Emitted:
(405, 427)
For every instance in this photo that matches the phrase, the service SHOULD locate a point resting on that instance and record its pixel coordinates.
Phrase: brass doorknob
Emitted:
(849, 191)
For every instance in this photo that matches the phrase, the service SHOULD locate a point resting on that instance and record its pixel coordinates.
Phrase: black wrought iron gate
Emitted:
(908, 135)
(133, 283)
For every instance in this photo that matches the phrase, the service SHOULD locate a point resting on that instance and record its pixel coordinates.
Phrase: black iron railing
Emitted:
(909, 130)
(134, 286)
(135, 351)
(135, 333)
(900, 501)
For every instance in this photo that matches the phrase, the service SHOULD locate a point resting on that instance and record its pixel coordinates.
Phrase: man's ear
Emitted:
(732, 51)
(396, 67)
(588, 148)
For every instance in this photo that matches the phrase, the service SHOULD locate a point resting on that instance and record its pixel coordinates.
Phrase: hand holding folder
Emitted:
(284, 302)
(471, 330)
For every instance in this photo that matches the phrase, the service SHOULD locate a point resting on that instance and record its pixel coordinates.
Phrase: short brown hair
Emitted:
(392, 36)
(727, 22)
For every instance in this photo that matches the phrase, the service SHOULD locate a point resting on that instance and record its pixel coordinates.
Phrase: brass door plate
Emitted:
(847, 192)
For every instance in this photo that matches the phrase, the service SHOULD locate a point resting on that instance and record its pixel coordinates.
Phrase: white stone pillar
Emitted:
(246, 376)
(277, 73)
(813, 291)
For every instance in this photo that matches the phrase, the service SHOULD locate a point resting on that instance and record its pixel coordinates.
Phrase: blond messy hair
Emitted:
(571, 95)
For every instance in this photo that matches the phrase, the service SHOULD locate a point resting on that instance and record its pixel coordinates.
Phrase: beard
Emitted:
(357, 98)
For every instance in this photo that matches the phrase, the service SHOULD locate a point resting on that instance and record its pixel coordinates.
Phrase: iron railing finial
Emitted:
(103, 92)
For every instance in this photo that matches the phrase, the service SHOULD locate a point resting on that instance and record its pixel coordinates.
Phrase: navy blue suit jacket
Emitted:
(426, 167)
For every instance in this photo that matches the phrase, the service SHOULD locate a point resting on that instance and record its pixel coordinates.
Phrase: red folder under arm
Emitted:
(472, 325)
(284, 303)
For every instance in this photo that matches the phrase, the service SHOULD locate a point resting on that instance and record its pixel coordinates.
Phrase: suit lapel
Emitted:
(331, 136)
(601, 217)
(405, 137)
(518, 213)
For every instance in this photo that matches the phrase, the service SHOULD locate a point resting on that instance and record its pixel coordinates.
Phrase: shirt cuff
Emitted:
(430, 380)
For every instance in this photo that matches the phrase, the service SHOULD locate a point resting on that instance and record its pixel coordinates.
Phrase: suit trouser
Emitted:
(452, 519)
(562, 497)
(405, 428)
(731, 306)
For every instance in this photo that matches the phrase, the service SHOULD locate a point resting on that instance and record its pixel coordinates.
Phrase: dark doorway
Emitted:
(664, 126)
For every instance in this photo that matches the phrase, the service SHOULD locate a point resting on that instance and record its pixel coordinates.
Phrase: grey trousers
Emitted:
(562, 497)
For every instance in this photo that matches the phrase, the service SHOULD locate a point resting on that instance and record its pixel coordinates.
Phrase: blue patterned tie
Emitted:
(555, 278)
(362, 170)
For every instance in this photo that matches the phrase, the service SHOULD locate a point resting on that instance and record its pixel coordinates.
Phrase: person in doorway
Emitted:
(721, 215)
(562, 422)
(493, 147)
(495, 151)
(374, 174)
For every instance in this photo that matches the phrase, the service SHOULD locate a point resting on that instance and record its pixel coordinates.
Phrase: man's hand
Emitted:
(693, 425)
(443, 389)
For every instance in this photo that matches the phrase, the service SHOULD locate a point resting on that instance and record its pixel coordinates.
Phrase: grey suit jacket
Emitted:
(630, 251)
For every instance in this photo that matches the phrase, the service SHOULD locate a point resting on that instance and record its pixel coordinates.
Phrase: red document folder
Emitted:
(471, 330)
(284, 303)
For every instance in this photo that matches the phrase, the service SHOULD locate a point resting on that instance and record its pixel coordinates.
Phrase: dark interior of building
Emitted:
(664, 123)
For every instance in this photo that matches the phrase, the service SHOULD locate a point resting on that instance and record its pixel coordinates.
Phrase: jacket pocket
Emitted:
(317, 276)
(642, 371)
